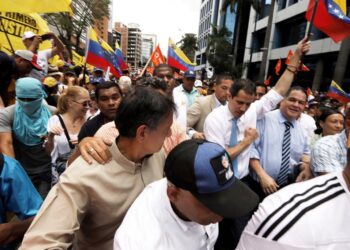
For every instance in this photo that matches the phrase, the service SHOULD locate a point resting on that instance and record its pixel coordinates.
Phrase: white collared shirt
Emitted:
(151, 224)
(217, 126)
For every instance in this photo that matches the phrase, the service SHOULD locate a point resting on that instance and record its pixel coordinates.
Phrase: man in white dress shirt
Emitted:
(233, 126)
(242, 108)
(181, 211)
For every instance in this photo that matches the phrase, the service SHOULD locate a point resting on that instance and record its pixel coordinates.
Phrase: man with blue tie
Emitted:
(233, 126)
(280, 155)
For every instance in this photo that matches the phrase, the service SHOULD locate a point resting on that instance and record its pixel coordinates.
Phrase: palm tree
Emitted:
(219, 50)
(188, 44)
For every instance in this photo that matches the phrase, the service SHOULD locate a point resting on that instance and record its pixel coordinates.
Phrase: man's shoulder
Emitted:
(94, 122)
(290, 196)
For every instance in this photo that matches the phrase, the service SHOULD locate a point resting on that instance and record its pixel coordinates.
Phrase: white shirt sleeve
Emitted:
(267, 103)
(213, 130)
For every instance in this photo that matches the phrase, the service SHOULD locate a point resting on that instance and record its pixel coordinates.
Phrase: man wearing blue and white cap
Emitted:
(187, 88)
(23, 128)
(182, 210)
(184, 96)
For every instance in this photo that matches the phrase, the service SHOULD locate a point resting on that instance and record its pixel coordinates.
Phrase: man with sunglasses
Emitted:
(23, 128)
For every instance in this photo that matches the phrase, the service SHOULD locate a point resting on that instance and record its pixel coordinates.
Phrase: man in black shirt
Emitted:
(108, 96)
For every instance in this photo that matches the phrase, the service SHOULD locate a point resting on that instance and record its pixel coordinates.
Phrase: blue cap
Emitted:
(190, 74)
(205, 169)
(96, 80)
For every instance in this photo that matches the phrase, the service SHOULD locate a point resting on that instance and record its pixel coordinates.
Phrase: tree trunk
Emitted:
(342, 61)
(266, 47)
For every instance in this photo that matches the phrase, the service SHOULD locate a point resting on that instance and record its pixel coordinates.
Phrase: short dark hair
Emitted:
(161, 66)
(325, 112)
(154, 82)
(142, 106)
(106, 85)
(260, 84)
(222, 77)
(297, 88)
(242, 84)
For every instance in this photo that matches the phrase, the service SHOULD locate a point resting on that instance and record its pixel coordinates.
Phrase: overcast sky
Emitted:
(165, 18)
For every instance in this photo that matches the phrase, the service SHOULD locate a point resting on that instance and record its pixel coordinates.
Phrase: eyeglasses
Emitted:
(86, 104)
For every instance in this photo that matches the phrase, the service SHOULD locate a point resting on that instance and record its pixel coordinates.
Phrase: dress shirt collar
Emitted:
(122, 161)
(283, 119)
(194, 90)
(228, 113)
(217, 102)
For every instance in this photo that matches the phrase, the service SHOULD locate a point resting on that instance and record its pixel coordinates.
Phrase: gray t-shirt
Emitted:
(33, 158)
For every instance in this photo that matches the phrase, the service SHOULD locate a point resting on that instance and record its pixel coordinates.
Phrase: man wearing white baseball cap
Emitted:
(32, 42)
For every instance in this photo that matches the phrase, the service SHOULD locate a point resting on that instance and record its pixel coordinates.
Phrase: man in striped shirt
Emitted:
(309, 215)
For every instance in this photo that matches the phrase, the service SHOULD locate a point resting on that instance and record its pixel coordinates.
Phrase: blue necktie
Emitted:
(233, 142)
(284, 170)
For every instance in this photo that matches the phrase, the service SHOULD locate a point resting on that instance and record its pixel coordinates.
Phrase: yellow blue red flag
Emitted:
(101, 55)
(177, 58)
(336, 92)
(330, 18)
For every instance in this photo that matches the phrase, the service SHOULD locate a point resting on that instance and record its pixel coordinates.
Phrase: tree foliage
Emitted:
(219, 50)
(71, 28)
(188, 44)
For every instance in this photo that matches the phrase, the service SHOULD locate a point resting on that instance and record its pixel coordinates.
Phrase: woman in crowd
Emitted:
(64, 127)
(330, 122)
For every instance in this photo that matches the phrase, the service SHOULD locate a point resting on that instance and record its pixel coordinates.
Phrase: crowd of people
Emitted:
(89, 161)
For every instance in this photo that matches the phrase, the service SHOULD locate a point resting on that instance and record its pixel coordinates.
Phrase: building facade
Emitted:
(121, 35)
(149, 42)
(133, 55)
(288, 27)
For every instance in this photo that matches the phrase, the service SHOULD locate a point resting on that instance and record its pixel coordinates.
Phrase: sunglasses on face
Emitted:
(86, 104)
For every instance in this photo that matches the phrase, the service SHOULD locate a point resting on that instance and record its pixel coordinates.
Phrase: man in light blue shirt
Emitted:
(280, 155)
(187, 88)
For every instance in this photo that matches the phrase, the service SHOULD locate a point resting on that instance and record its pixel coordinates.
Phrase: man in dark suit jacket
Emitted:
(203, 105)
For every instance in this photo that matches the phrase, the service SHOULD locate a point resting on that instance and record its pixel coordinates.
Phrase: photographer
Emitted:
(32, 42)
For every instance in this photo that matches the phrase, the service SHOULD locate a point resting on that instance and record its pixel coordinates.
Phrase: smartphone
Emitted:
(45, 37)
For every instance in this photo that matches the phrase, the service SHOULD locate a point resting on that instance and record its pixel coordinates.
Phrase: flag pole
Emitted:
(144, 68)
(308, 28)
(6, 34)
(308, 31)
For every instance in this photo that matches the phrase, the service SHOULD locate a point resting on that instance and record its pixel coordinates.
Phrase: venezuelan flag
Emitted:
(330, 18)
(178, 59)
(101, 55)
(336, 92)
(120, 57)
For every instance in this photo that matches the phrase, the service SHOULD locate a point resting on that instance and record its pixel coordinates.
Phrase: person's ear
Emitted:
(141, 133)
(172, 192)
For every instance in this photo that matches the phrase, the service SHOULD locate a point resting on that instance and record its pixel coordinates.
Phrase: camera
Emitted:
(45, 37)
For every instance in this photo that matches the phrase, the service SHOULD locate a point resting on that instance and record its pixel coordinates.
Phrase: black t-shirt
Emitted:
(91, 126)
(7, 71)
